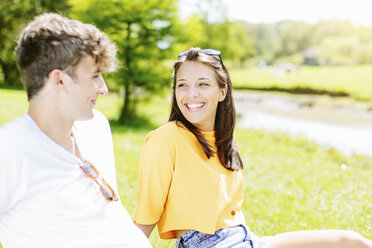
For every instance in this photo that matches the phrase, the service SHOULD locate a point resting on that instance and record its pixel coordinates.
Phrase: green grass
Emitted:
(13, 103)
(290, 183)
(354, 80)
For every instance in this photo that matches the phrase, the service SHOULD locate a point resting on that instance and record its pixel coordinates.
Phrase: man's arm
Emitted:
(11, 173)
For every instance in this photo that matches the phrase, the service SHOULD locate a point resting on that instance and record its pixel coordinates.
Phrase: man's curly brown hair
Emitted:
(52, 41)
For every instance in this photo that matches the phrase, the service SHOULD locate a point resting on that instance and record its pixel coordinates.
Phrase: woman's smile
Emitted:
(194, 107)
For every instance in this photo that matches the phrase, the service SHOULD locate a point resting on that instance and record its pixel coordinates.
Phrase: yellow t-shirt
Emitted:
(180, 188)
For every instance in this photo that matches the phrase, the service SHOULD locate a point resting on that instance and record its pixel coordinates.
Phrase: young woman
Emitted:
(190, 179)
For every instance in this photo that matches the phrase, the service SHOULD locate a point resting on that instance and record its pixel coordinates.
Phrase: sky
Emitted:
(267, 11)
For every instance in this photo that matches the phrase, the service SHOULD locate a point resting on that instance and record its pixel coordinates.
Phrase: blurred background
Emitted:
(267, 45)
(298, 66)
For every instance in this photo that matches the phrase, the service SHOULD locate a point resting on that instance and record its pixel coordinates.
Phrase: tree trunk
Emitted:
(124, 113)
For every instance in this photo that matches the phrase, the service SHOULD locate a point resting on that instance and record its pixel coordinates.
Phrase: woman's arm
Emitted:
(155, 177)
(320, 239)
(146, 229)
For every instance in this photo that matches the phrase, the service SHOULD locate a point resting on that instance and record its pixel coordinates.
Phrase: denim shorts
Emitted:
(231, 237)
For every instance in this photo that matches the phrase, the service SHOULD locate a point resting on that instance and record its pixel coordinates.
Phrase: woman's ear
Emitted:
(223, 93)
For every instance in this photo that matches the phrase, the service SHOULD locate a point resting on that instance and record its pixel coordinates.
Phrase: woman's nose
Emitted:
(193, 91)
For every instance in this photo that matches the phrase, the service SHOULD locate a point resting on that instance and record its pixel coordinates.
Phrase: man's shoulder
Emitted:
(12, 135)
(14, 129)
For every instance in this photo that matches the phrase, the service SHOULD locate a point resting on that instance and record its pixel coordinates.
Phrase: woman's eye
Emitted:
(181, 85)
(204, 84)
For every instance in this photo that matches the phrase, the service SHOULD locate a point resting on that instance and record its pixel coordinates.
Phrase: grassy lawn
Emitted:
(290, 183)
(354, 80)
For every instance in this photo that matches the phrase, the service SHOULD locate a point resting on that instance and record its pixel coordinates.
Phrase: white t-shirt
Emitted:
(46, 200)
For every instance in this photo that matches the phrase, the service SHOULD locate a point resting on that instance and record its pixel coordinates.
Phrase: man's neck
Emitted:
(52, 123)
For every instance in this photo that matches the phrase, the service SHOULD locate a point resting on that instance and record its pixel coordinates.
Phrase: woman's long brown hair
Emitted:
(224, 124)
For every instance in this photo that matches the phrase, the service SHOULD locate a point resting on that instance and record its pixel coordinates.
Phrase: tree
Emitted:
(295, 37)
(334, 28)
(339, 50)
(14, 15)
(144, 32)
(266, 40)
(209, 27)
(235, 43)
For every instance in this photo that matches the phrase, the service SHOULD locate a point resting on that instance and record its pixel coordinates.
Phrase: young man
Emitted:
(57, 170)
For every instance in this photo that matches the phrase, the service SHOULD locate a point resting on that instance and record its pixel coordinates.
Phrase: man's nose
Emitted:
(102, 87)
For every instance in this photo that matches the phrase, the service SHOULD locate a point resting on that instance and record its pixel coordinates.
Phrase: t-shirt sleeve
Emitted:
(156, 167)
(11, 173)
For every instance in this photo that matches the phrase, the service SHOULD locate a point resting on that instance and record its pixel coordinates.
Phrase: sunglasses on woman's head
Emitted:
(211, 52)
(93, 173)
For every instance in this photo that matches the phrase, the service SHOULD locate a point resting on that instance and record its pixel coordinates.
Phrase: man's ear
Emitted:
(223, 93)
(56, 78)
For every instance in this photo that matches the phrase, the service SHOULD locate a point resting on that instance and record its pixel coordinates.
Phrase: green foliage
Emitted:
(14, 15)
(266, 40)
(234, 42)
(331, 41)
(231, 38)
(332, 28)
(209, 28)
(340, 50)
(191, 34)
(294, 37)
(144, 34)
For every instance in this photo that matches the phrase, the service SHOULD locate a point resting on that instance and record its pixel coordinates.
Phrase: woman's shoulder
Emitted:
(169, 129)
(166, 135)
